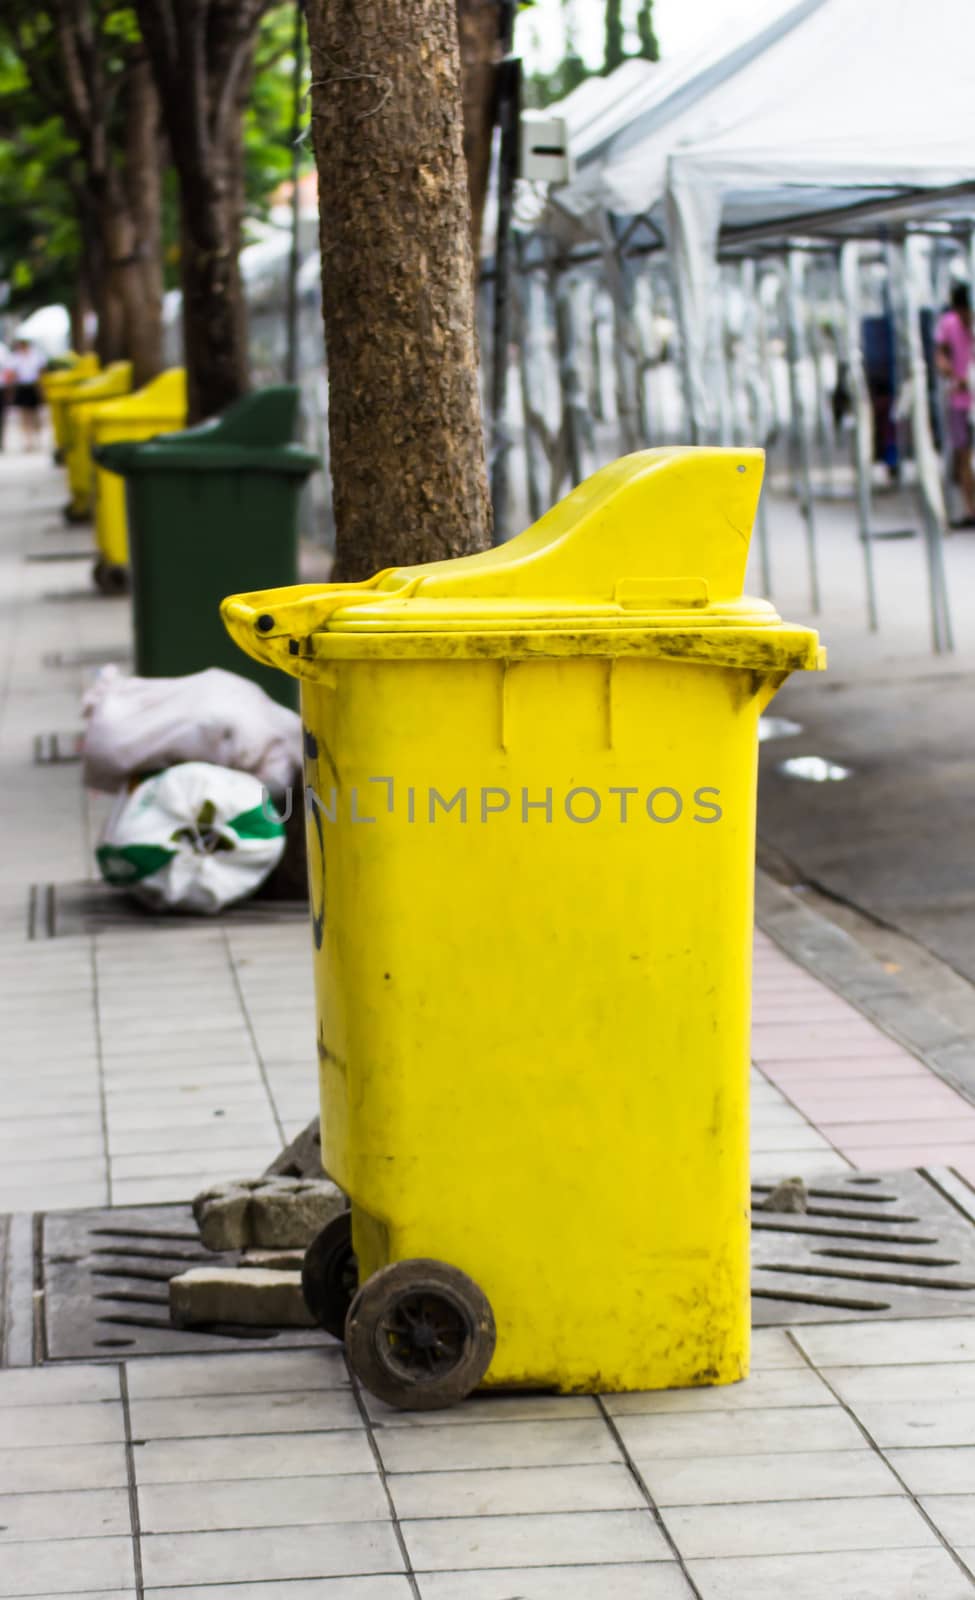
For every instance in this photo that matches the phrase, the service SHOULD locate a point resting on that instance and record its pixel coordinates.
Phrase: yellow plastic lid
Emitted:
(163, 398)
(646, 557)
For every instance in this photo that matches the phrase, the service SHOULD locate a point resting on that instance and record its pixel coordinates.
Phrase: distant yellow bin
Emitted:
(108, 385)
(56, 388)
(158, 408)
(531, 781)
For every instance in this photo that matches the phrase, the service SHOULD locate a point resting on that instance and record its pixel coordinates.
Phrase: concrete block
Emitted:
(266, 1213)
(255, 1297)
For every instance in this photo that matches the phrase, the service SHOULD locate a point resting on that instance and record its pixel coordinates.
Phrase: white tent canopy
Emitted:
(844, 114)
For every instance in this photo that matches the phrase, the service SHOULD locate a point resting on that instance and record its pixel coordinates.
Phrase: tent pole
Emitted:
(795, 272)
(532, 404)
(509, 120)
(757, 407)
(862, 417)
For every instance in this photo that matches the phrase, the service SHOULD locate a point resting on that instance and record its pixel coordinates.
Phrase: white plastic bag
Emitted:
(143, 724)
(194, 838)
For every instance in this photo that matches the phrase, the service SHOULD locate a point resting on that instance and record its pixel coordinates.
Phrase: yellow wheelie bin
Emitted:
(160, 407)
(530, 797)
(115, 380)
(56, 386)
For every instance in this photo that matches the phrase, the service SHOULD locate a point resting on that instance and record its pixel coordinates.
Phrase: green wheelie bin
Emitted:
(211, 510)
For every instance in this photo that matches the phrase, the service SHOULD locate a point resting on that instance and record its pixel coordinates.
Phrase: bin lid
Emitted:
(647, 557)
(255, 434)
(163, 400)
(105, 385)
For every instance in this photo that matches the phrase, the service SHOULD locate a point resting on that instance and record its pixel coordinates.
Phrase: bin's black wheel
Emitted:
(109, 579)
(330, 1275)
(57, 456)
(71, 514)
(420, 1335)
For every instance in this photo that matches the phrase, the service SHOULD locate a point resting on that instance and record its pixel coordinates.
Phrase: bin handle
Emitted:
(268, 624)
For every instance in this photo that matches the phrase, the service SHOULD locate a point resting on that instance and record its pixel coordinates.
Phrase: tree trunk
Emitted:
(142, 180)
(478, 24)
(406, 438)
(214, 310)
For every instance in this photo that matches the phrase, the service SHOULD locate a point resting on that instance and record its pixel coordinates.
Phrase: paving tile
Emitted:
(954, 1517)
(947, 1380)
(97, 1422)
(659, 1581)
(904, 1423)
(875, 1344)
(382, 1588)
(204, 1416)
(772, 1349)
(341, 1549)
(514, 1491)
(66, 1566)
(278, 1502)
(797, 1528)
(853, 1575)
(264, 1372)
(912, 1131)
(735, 1479)
(487, 1408)
(591, 1538)
(284, 1455)
(55, 1386)
(857, 1070)
(909, 1155)
(61, 1467)
(496, 1444)
(936, 1471)
(791, 1387)
(731, 1433)
(78, 1515)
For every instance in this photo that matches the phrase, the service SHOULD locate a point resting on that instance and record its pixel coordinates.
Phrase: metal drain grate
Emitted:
(66, 910)
(52, 749)
(84, 554)
(105, 1277)
(890, 1246)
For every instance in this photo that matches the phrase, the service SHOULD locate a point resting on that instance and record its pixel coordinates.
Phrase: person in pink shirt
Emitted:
(955, 340)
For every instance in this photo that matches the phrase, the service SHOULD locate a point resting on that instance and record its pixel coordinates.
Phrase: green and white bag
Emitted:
(194, 838)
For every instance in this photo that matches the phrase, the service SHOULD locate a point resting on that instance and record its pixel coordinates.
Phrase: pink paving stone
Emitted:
(894, 1158)
(834, 1066)
(949, 1131)
(832, 1110)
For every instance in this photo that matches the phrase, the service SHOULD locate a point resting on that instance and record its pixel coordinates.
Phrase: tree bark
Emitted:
(406, 437)
(478, 24)
(142, 181)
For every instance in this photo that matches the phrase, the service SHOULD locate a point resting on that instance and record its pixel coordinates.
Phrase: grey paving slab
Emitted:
(946, 1380)
(772, 1349)
(260, 1456)
(857, 1344)
(274, 1503)
(936, 1471)
(30, 1426)
(496, 1444)
(56, 1386)
(373, 1588)
(65, 1566)
(62, 1467)
(853, 1575)
(342, 1549)
(580, 1538)
(733, 1479)
(797, 1528)
(954, 1517)
(202, 1416)
(901, 1424)
(730, 1433)
(792, 1386)
(487, 1408)
(267, 1372)
(513, 1491)
(656, 1581)
(79, 1515)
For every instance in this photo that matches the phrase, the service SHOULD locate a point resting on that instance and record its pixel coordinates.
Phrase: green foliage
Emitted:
(268, 135)
(614, 53)
(649, 48)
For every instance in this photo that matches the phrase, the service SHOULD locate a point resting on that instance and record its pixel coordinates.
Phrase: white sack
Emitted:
(194, 838)
(144, 724)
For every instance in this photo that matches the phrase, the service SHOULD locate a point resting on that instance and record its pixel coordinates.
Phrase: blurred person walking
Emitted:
(6, 377)
(955, 341)
(27, 363)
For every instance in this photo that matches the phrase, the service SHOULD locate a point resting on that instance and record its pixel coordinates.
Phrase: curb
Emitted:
(837, 960)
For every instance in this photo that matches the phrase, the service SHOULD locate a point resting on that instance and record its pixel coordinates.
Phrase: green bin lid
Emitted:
(255, 434)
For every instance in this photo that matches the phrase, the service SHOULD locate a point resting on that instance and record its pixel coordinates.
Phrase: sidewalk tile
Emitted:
(33, 1426)
(78, 1514)
(260, 1456)
(65, 1566)
(899, 1424)
(948, 1380)
(56, 1386)
(483, 1408)
(935, 1471)
(732, 1433)
(212, 1416)
(659, 1581)
(50, 1468)
(876, 1344)
(496, 1444)
(383, 1588)
(921, 1574)
(342, 1549)
(796, 1528)
(595, 1538)
(733, 1480)
(792, 1387)
(264, 1372)
(954, 1517)
(514, 1491)
(278, 1502)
